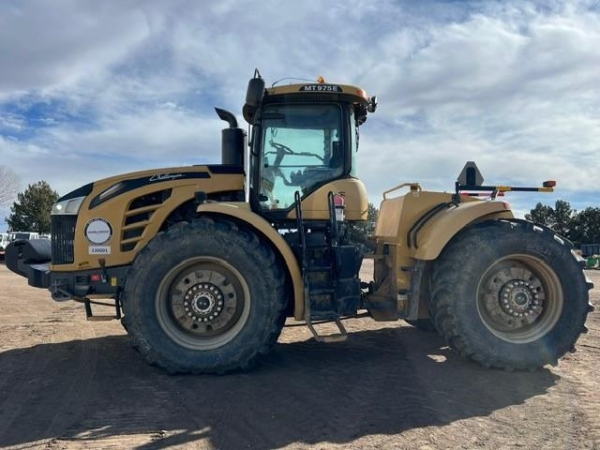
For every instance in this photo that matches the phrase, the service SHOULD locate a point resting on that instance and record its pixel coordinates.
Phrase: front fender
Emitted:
(437, 232)
(241, 213)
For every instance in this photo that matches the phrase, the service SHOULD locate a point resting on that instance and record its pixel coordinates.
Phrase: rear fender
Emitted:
(241, 213)
(436, 234)
(443, 226)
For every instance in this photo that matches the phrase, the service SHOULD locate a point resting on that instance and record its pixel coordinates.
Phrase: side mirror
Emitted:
(372, 104)
(254, 96)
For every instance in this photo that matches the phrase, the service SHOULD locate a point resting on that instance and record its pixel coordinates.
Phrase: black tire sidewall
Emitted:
(480, 342)
(174, 247)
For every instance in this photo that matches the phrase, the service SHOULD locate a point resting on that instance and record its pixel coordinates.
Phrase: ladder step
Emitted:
(90, 316)
(101, 318)
(336, 337)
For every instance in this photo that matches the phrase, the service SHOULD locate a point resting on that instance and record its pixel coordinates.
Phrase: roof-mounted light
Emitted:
(362, 93)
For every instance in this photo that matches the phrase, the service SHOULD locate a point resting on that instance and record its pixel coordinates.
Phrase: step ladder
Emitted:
(90, 315)
(331, 233)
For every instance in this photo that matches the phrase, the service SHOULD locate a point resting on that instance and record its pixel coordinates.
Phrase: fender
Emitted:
(443, 226)
(240, 212)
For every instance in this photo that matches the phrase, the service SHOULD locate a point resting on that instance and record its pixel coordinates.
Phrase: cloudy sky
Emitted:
(91, 89)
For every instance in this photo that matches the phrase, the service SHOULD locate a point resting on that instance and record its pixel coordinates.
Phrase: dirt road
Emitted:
(66, 383)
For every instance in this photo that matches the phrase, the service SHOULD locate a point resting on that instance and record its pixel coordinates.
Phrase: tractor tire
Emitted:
(204, 297)
(422, 324)
(510, 295)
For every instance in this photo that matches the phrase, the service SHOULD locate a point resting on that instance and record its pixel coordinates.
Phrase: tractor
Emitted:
(205, 263)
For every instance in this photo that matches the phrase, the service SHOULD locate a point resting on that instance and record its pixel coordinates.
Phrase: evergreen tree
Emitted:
(31, 211)
(560, 218)
(586, 226)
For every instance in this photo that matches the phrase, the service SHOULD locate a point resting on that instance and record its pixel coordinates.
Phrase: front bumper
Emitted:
(31, 260)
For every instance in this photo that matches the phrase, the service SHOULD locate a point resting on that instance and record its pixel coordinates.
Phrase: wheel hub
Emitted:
(512, 298)
(203, 302)
(519, 298)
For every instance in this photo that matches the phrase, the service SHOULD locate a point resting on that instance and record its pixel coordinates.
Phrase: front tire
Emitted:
(204, 297)
(509, 295)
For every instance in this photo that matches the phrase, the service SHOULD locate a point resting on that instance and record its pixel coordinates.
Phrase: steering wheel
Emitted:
(282, 150)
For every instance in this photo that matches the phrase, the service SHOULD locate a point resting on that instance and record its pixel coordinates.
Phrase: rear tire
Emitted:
(204, 297)
(509, 295)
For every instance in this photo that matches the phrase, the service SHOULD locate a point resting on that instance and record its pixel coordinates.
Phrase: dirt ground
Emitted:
(67, 383)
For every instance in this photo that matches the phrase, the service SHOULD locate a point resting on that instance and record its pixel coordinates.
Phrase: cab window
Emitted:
(301, 149)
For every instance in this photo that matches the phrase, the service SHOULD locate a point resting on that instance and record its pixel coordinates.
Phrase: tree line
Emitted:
(580, 227)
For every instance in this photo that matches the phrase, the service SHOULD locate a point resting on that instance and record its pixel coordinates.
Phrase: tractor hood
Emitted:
(109, 188)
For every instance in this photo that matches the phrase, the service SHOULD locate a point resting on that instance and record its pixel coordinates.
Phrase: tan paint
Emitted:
(242, 212)
(116, 211)
(437, 233)
(396, 217)
(316, 205)
(397, 214)
(347, 92)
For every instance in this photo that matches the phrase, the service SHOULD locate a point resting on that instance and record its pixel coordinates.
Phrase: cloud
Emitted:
(91, 89)
(70, 40)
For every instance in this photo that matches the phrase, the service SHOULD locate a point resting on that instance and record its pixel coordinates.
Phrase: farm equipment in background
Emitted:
(4, 241)
(591, 254)
(204, 263)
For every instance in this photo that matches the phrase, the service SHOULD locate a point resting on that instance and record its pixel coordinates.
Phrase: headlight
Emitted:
(67, 207)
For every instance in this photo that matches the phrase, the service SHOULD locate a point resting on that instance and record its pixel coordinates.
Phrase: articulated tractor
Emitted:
(204, 263)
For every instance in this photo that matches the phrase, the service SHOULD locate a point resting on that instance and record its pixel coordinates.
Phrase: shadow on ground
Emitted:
(377, 382)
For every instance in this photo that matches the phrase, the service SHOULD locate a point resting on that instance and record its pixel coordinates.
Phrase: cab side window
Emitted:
(301, 149)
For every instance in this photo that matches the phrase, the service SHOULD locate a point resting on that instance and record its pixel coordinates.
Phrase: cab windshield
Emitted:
(301, 149)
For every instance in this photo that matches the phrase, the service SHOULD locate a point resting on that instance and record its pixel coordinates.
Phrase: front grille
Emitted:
(63, 237)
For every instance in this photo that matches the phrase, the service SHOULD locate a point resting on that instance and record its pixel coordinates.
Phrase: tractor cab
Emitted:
(304, 143)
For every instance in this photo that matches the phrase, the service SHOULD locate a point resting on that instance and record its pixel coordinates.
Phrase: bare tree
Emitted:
(9, 185)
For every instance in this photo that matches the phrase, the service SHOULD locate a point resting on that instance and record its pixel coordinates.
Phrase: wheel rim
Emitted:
(202, 303)
(520, 299)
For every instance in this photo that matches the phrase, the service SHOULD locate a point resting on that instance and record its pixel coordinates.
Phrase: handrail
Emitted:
(413, 187)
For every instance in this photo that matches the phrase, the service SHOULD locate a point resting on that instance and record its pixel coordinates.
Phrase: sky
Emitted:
(92, 89)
